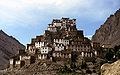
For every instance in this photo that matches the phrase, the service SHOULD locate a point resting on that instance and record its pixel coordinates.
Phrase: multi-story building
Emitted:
(58, 43)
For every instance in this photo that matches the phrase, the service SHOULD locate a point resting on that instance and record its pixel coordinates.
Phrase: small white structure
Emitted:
(42, 56)
(66, 42)
(24, 57)
(57, 24)
(52, 29)
(17, 62)
(87, 54)
(58, 40)
(31, 49)
(63, 41)
(39, 44)
(59, 46)
(11, 61)
(45, 50)
(95, 53)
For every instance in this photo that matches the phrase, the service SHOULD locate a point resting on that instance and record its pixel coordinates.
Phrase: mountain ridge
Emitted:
(108, 33)
(9, 46)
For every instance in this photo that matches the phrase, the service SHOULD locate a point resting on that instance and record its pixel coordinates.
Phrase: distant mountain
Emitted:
(109, 32)
(9, 46)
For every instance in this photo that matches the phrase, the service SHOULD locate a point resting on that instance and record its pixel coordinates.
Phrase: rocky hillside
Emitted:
(111, 69)
(109, 32)
(38, 68)
(9, 46)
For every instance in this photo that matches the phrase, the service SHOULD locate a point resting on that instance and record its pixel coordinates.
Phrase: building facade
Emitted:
(58, 42)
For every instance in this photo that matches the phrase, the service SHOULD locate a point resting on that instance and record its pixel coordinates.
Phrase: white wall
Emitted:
(24, 57)
(42, 56)
(59, 47)
(54, 54)
(66, 42)
(32, 51)
(59, 41)
(52, 29)
(39, 44)
(45, 50)
(82, 54)
(96, 53)
(17, 62)
(11, 61)
(57, 24)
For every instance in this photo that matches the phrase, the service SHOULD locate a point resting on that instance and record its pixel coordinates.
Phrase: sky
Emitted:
(25, 19)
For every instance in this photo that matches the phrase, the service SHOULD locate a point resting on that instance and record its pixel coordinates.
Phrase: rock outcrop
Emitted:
(109, 32)
(9, 46)
(111, 69)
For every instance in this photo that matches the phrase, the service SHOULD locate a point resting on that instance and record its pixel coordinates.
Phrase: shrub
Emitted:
(89, 71)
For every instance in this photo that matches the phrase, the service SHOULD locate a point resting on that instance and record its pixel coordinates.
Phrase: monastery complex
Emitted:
(59, 42)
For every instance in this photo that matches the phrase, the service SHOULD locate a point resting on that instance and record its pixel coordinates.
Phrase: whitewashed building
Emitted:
(38, 45)
(59, 46)
(45, 49)
(63, 41)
